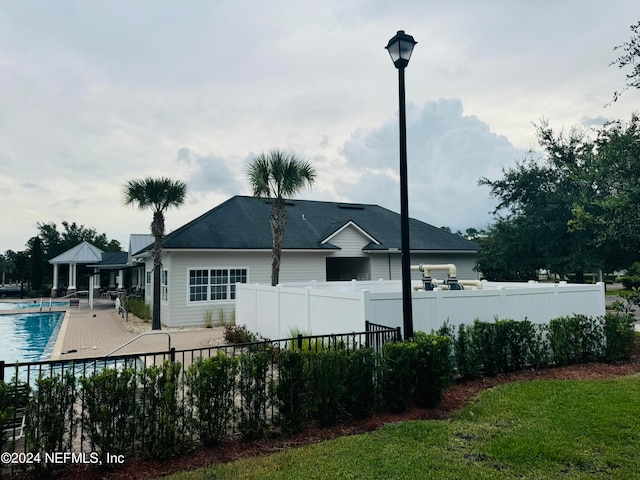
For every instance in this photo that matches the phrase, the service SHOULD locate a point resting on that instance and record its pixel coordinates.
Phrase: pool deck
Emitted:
(88, 333)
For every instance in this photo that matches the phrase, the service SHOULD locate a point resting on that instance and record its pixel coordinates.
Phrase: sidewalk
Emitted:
(89, 333)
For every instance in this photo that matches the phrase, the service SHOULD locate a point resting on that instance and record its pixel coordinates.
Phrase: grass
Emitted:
(565, 429)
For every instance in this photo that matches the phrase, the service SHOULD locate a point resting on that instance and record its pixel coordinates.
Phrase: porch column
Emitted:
(96, 282)
(54, 288)
(120, 278)
(72, 278)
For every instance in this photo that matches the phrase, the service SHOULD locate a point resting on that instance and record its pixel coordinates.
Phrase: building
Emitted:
(204, 259)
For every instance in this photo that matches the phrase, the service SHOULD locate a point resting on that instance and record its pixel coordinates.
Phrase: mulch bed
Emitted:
(455, 397)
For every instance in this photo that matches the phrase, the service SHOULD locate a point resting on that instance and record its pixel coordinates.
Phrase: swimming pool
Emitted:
(28, 337)
(31, 304)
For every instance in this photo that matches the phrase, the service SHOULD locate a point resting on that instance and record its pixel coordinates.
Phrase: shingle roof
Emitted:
(243, 223)
(114, 259)
(82, 253)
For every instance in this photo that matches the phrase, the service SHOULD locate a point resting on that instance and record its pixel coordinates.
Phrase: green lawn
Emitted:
(527, 430)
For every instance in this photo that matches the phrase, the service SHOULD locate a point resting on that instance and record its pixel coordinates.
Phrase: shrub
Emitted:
(619, 333)
(397, 386)
(162, 431)
(467, 354)
(51, 416)
(575, 339)
(253, 387)
(109, 409)
(360, 394)
(138, 307)
(326, 385)
(433, 367)
(483, 336)
(634, 270)
(291, 392)
(210, 387)
(208, 318)
(300, 342)
(236, 334)
(630, 282)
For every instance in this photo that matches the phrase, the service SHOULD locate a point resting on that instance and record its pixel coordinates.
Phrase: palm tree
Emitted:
(276, 175)
(157, 194)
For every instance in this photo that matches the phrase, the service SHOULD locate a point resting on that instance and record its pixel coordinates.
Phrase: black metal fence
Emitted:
(62, 385)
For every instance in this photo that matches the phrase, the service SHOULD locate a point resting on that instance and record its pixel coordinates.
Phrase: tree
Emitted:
(7, 267)
(576, 208)
(276, 175)
(158, 195)
(630, 57)
(535, 204)
(609, 213)
(37, 264)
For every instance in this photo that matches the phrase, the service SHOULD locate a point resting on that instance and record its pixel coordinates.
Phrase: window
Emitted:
(164, 285)
(149, 278)
(215, 283)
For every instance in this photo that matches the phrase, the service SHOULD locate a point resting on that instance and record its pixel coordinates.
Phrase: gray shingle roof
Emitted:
(243, 223)
(83, 253)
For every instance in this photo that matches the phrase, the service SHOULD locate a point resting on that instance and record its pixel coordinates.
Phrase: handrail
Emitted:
(135, 338)
(69, 295)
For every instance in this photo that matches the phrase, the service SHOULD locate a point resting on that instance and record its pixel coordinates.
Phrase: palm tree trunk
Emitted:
(155, 323)
(278, 221)
(157, 229)
(275, 258)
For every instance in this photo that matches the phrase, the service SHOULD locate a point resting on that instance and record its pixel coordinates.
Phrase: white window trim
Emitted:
(164, 287)
(208, 301)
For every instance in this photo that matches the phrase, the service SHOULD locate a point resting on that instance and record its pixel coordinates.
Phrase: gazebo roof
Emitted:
(84, 253)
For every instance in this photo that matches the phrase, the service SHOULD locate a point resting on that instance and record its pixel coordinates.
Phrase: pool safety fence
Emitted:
(160, 402)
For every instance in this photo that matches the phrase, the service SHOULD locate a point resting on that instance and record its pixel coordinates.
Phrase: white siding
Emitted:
(382, 262)
(351, 243)
(295, 267)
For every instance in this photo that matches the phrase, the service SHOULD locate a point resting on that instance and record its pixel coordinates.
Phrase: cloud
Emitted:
(208, 173)
(448, 152)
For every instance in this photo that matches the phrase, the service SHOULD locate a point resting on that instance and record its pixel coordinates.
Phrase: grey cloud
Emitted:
(447, 153)
(209, 173)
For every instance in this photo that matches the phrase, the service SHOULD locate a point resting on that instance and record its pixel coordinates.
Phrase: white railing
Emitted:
(338, 307)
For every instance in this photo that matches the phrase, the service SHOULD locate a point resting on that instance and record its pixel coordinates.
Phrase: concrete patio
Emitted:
(88, 333)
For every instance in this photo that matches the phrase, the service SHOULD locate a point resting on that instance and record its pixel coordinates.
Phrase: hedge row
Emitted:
(486, 349)
(164, 409)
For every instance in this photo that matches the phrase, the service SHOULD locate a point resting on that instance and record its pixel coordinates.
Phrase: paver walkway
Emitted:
(95, 332)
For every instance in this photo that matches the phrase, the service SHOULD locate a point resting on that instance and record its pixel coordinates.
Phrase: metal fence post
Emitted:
(1, 370)
(366, 337)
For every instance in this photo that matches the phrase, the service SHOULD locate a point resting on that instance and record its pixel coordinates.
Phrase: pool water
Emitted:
(28, 337)
(32, 304)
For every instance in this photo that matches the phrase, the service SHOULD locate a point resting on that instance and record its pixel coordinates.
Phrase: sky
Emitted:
(93, 94)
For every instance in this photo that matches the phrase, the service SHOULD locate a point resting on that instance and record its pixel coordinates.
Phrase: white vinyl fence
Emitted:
(339, 307)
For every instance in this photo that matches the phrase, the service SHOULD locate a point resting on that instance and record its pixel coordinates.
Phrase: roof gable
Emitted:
(83, 253)
(350, 224)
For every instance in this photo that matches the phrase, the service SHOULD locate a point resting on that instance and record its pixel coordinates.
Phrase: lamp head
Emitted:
(400, 48)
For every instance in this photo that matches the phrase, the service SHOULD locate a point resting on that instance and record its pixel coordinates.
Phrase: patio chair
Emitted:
(14, 428)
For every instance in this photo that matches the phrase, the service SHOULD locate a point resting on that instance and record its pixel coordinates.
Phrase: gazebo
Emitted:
(82, 254)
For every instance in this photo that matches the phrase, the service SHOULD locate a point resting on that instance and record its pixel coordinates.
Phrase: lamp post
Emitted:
(400, 48)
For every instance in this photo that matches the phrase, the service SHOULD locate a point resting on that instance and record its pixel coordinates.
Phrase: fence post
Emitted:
(172, 354)
(299, 341)
(1, 370)
(398, 334)
(366, 336)
(308, 309)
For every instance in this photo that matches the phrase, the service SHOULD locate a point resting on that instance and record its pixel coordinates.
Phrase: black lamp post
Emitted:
(400, 48)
